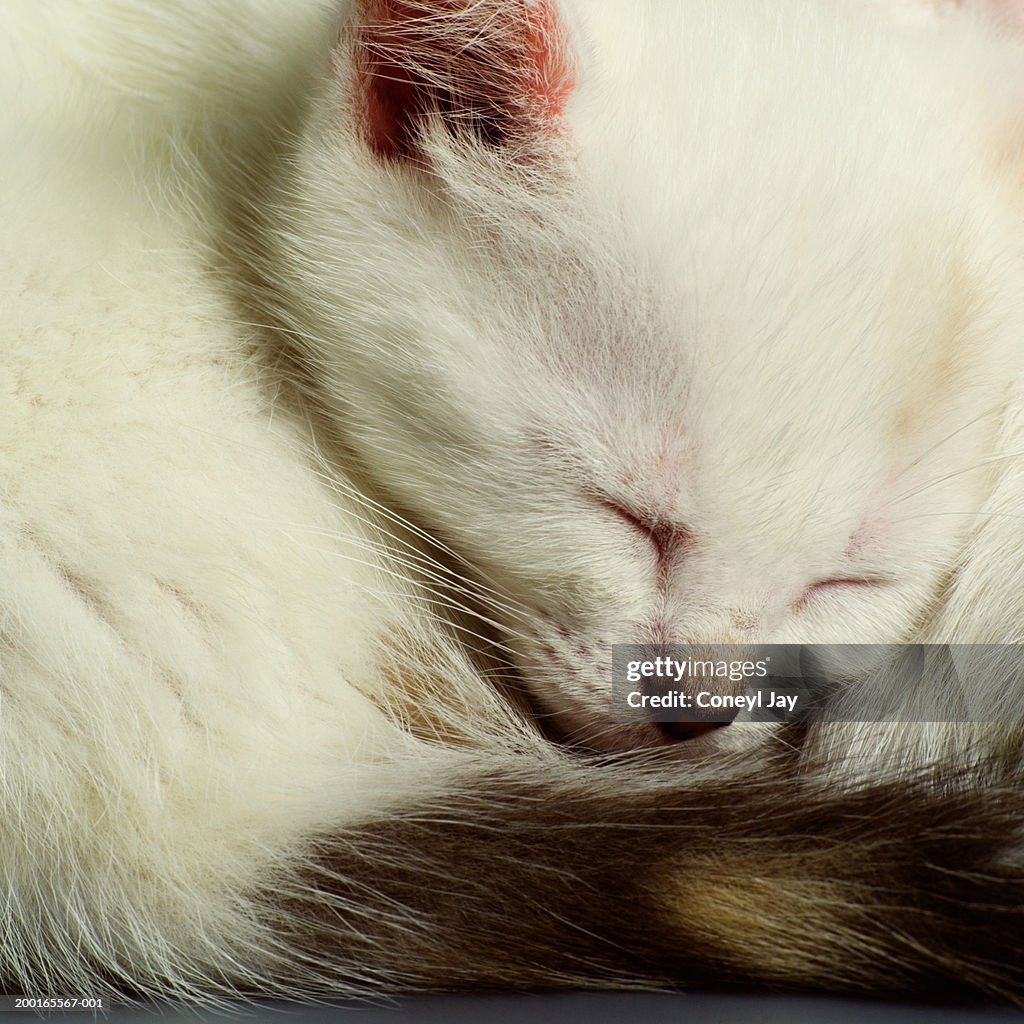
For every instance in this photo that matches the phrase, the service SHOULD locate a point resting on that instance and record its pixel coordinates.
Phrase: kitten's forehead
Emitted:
(795, 262)
(753, 128)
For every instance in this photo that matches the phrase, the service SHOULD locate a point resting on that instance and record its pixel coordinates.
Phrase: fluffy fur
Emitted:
(370, 367)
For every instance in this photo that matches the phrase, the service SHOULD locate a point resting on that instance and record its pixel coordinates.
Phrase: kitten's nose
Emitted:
(677, 727)
(677, 732)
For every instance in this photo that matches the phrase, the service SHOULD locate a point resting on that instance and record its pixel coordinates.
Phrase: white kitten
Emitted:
(732, 360)
(678, 322)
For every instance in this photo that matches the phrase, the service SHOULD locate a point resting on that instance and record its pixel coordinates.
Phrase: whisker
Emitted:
(992, 460)
(474, 585)
(985, 515)
(421, 593)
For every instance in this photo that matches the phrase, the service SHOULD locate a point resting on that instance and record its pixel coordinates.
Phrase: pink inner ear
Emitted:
(549, 74)
(497, 69)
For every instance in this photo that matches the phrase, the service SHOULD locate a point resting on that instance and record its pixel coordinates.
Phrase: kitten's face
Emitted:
(659, 390)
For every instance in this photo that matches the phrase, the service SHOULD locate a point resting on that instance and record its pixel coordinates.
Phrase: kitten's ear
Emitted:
(498, 71)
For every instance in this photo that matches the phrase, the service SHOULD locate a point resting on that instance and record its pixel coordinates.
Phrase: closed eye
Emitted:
(668, 539)
(823, 587)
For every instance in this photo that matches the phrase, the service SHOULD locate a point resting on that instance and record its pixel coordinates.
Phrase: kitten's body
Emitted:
(239, 748)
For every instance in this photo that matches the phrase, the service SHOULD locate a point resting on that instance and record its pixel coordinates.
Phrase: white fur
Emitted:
(756, 267)
(739, 282)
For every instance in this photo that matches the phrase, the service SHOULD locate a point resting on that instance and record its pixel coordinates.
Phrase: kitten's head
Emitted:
(683, 327)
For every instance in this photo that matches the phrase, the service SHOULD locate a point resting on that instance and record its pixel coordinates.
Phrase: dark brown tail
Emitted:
(587, 875)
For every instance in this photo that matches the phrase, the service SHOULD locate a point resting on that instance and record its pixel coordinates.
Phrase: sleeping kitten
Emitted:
(357, 351)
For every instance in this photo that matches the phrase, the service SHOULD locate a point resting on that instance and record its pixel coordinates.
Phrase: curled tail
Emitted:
(611, 876)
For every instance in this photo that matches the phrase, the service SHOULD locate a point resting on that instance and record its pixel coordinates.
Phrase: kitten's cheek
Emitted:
(571, 696)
